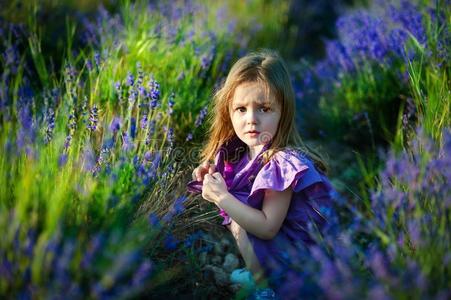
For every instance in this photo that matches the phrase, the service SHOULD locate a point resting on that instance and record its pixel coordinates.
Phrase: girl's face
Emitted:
(254, 115)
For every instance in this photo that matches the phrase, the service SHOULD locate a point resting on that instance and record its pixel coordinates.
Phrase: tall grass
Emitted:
(92, 154)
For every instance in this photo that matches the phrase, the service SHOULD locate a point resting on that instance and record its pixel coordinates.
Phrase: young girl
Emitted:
(266, 182)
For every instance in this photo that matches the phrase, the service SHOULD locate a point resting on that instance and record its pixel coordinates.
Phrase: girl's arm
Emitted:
(265, 223)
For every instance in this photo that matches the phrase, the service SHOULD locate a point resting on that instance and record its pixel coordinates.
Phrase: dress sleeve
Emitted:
(194, 186)
(286, 168)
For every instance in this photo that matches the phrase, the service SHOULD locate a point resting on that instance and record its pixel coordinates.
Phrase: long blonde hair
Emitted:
(268, 68)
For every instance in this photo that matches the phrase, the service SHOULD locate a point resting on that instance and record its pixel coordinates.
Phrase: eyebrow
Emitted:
(265, 103)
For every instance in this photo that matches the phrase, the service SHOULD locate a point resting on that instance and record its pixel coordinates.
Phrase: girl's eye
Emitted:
(262, 109)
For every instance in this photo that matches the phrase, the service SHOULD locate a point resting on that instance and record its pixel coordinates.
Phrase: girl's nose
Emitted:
(251, 117)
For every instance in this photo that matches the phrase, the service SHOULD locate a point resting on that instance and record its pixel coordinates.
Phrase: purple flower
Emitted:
(67, 142)
(140, 74)
(127, 144)
(62, 160)
(154, 221)
(396, 41)
(133, 127)
(150, 131)
(143, 122)
(143, 273)
(93, 118)
(50, 118)
(179, 204)
(377, 264)
(189, 137)
(205, 61)
(115, 124)
(97, 59)
(89, 65)
(70, 72)
(117, 86)
(200, 118)
(132, 95)
(130, 79)
(88, 158)
(170, 242)
(154, 93)
(170, 135)
(94, 246)
(410, 17)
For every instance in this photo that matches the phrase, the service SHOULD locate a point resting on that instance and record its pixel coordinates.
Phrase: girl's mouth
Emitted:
(253, 133)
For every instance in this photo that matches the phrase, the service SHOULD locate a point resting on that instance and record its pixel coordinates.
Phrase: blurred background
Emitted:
(104, 106)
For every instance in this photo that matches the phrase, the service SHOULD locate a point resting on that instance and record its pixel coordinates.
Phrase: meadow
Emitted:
(104, 109)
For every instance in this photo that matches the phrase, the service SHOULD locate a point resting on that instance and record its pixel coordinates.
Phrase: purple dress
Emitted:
(247, 181)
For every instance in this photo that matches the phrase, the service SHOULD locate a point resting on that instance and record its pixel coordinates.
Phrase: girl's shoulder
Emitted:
(289, 155)
(287, 167)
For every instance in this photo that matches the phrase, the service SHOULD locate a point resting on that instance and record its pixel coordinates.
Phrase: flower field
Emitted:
(104, 107)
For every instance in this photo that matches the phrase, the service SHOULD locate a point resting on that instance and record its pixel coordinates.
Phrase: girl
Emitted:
(268, 185)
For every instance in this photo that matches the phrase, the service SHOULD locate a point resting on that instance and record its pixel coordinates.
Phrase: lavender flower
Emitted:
(50, 117)
(205, 61)
(410, 17)
(154, 87)
(189, 137)
(150, 132)
(154, 221)
(26, 133)
(170, 135)
(143, 273)
(200, 118)
(170, 242)
(62, 160)
(97, 59)
(89, 65)
(70, 73)
(139, 82)
(117, 86)
(132, 127)
(130, 81)
(88, 158)
(93, 118)
(143, 122)
(67, 142)
(101, 160)
(115, 124)
(132, 95)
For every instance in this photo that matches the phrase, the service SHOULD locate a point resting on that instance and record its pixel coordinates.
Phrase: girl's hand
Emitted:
(214, 186)
(204, 168)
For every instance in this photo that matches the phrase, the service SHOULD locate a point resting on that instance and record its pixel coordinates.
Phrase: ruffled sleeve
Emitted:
(286, 168)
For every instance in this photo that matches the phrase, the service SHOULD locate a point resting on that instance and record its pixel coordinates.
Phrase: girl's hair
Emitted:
(268, 68)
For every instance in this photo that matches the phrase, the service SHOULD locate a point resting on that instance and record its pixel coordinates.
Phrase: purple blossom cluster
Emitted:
(147, 167)
(75, 268)
(95, 31)
(201, 116)
(385, 254)
(50, 120)
(377, 35)
(154, 93)
(93, 118)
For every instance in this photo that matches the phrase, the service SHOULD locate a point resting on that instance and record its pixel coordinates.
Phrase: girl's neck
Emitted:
(252, 152)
